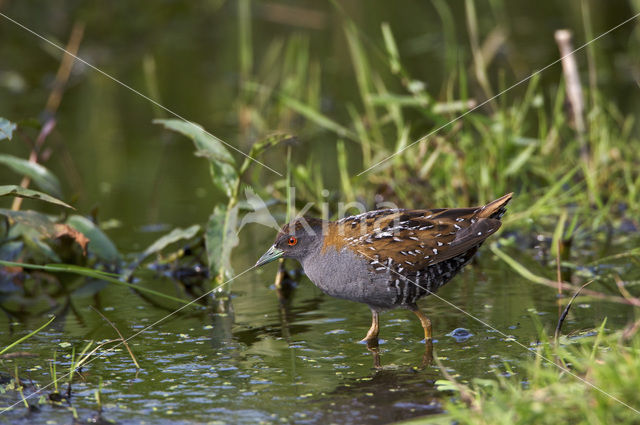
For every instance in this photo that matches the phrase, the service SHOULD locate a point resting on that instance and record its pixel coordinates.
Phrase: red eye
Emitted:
(292, 241)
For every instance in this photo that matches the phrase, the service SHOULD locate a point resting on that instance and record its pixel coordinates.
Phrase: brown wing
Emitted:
(417, 239)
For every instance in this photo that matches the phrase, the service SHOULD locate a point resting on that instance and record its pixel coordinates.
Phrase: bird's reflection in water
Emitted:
(427, 356)
(388, 395)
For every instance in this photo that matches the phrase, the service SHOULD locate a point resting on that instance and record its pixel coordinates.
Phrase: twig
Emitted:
(64, 71)
(17, 354)
(566, 311)
(620, 284)
(630, 330)
(558, 275)
(124, 341)
(574, 88)
(53, 102)
(558, 268)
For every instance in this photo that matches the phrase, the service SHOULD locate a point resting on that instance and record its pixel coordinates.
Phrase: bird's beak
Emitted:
(269, 256)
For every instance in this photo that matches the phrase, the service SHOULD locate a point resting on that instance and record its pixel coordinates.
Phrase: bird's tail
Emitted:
(496, 209)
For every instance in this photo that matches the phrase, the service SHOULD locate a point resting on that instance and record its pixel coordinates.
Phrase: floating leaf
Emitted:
(222, 164)
(13, 190)
(6, 129)
(100, 245)
(41, 176)
(174, 236)
(221, 238)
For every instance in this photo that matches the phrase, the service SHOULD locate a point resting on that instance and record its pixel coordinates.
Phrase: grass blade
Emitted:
(29, 335)
(83, 271)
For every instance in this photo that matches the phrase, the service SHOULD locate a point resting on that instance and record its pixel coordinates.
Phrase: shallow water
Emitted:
(293, 362)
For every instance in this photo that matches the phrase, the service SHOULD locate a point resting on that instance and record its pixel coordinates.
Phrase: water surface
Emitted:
(298, 361)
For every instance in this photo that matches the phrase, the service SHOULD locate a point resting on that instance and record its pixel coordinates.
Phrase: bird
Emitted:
(388, 258)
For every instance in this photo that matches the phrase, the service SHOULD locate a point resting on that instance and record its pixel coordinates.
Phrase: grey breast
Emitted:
(344, 274)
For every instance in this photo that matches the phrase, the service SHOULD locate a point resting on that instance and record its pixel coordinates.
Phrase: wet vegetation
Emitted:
(126, 281)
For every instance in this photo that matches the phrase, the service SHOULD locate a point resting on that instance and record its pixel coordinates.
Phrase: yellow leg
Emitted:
(372, 335)
(426, 323)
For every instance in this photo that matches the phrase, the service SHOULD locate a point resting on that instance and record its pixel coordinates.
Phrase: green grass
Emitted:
(523, 141)
(545, 394)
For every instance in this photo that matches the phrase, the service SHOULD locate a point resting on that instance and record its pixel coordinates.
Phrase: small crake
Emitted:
(388, 258)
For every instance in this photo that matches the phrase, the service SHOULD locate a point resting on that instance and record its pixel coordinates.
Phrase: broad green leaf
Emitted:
(174, 236)
(13, 190)
(6, 129)
(33, 226)
(221, 238)
(41, 176)
(100, 245)
(38, 250)
(222, 164)
(39, 222)
(90, 288)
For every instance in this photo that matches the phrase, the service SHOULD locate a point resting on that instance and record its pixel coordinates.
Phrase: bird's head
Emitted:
(295, 240)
